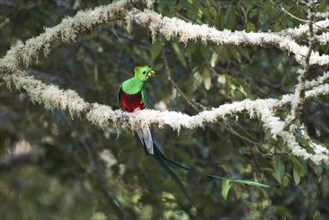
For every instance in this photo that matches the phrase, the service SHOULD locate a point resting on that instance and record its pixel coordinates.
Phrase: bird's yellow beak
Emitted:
(151, 73)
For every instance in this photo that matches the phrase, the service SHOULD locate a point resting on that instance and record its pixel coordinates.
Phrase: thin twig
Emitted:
(197, 106)
(231, 130)
(293, 16)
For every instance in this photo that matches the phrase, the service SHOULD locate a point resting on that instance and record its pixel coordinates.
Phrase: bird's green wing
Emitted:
(144, 99)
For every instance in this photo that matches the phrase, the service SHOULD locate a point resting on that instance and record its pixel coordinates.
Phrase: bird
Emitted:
(132, 97)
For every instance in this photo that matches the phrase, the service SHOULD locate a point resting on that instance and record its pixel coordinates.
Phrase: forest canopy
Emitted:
(241, 91)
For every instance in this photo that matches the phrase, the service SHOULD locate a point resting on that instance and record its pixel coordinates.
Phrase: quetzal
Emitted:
(132, 97)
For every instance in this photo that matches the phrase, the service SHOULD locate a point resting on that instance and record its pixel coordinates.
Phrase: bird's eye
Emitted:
(144, 72)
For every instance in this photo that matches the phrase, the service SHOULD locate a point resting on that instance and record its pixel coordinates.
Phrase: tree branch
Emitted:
(174, 27)
(300, 88)
(21, 56)
(101, 115)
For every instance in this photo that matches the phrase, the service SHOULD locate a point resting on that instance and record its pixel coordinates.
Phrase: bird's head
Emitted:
(143, 72)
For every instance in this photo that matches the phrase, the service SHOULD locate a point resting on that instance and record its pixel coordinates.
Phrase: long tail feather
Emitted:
(170, 172)
(212, 176)
(145, 137)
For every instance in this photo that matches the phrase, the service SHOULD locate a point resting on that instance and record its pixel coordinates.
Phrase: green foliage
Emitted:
(89, 173)
(278, 171)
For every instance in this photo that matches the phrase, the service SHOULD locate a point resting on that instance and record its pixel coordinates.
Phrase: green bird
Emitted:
(132, 97)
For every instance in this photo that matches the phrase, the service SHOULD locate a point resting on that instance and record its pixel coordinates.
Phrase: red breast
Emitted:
(130, 102)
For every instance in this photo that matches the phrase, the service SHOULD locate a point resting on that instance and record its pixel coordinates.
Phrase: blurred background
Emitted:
(56, 167)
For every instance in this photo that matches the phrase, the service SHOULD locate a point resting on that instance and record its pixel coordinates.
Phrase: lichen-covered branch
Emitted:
(52, 97)
(318, 81)
(323, 39)
(174, 27)
(84, 22)
(299, 31)
(322, 14)
(300, 88)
